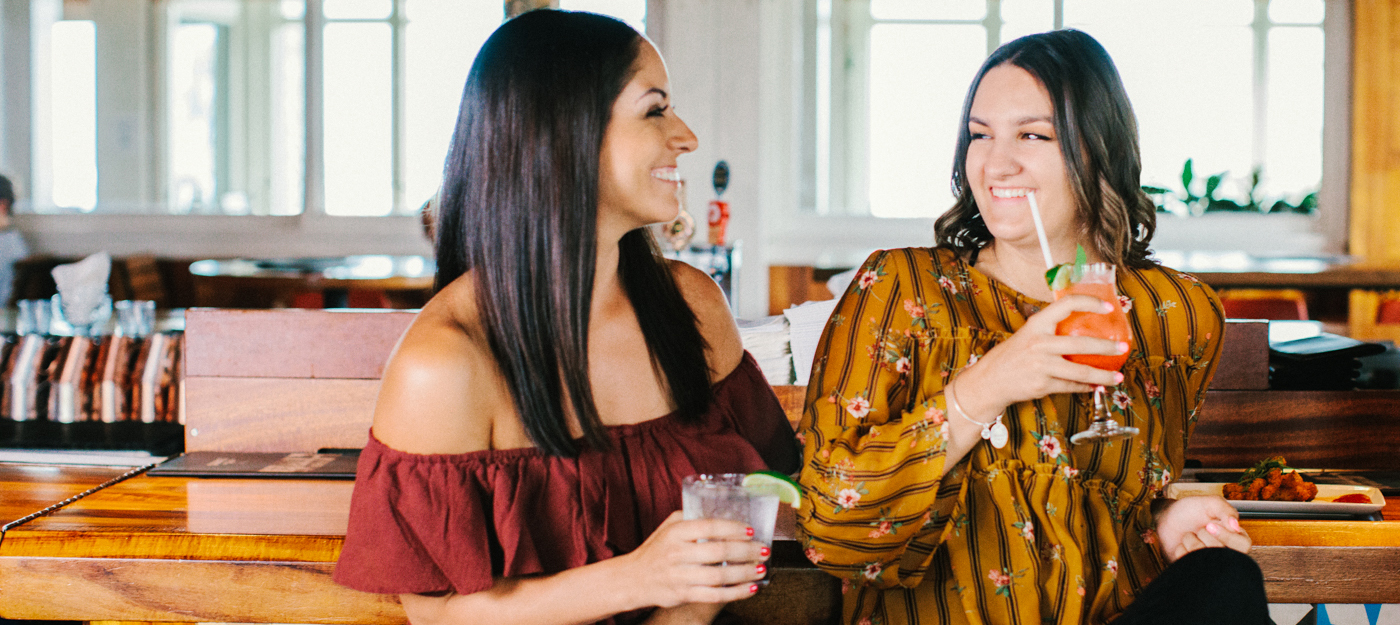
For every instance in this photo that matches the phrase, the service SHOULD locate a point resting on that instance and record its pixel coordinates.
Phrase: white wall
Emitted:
(712, 49)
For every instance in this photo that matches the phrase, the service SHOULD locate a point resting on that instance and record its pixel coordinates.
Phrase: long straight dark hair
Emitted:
(1098, 138)
(519, 211)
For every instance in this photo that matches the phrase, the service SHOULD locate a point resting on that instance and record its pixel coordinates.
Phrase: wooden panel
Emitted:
(1244, 356)
(1375, 153)
(291, 343)
(1305, 533)
(790, 285)
(173, 590)
(264, 414)
(1330, 574)
(1317, 429)
(798, 593)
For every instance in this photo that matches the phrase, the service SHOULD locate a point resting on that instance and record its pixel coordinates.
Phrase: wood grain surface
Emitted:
(291, 343)
(195, 518)
(1330, 574)
(190, 549)
(269, 414)
(88, 589)
(29, 488)
(1375, 137)
(1314, 429)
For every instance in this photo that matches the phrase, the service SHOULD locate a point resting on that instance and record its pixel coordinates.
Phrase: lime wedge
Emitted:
(1058, 277)
(787, 490)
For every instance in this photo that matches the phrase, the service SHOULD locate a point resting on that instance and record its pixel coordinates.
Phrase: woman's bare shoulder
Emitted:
(711, 309)
(440, 385)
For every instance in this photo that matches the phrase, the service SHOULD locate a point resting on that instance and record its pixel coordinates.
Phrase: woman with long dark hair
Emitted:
(537, 417)
(938, 463)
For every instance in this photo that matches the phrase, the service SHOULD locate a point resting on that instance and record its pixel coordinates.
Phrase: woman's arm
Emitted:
(670, 569)
(881, 429)
(875, 430)
(438, 396)
(1028, 365)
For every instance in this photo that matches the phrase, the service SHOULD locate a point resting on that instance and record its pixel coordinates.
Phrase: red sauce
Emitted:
(1353, 498)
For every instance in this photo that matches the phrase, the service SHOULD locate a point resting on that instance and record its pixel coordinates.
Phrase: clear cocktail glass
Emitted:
(1098, 280)
(723, 496)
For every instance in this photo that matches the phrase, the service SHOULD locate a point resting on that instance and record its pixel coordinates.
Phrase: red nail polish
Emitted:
(764, 551)
(762, 569)
(753, 588)
(749, 531)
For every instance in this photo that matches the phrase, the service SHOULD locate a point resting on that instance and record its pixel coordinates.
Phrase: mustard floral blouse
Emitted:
(1039, 531)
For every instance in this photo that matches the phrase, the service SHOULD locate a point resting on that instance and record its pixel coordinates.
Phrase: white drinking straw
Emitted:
(1040, 230)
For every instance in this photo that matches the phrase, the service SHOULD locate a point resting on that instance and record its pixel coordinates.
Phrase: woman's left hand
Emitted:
(1200, 521)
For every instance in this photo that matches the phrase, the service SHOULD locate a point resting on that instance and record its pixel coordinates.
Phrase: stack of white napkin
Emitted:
(805, 324)
(767, 340)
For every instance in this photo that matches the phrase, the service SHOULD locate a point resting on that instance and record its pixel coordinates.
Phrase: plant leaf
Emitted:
(1213, 183)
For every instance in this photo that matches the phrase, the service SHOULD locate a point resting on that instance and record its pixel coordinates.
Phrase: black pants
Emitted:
(1205, 587)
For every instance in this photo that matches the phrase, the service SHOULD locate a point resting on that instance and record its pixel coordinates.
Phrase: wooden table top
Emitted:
(196, 519)
(29, 488)
(206, 519)
(305, 520)
(132, 551)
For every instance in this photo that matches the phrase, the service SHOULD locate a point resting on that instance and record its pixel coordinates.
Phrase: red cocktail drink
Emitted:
(1111, 325)
(1097, 280)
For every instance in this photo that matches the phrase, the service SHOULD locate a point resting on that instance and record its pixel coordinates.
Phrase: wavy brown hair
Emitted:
(1098, 140)
(519, 210)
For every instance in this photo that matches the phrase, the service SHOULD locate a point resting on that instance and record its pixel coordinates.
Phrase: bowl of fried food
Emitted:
(1271, 480)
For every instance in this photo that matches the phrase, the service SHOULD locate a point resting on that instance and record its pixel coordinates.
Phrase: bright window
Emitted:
(74, 101)
(196, 126)
(1234, 85)
(393, 82)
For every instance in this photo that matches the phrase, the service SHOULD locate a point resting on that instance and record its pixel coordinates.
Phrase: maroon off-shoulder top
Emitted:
(451, 522)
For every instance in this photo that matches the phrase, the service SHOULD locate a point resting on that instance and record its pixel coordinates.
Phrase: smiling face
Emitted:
(637, 172)
(1015, 150)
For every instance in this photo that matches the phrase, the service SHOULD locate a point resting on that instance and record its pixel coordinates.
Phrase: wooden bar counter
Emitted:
(28, 488)
(237, 550)
(1329, 561)
(262, 551)
(187, 549)
(251, 551)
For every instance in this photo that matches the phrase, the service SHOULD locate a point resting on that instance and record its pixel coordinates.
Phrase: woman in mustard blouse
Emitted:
(924, 520)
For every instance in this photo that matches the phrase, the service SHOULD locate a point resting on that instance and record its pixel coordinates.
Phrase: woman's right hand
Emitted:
(674, 567)
(1031, 363)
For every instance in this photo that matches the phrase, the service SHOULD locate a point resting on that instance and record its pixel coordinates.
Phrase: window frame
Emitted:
(798, 227)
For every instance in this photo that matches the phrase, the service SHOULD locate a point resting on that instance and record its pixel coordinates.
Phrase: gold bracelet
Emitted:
(992, 430)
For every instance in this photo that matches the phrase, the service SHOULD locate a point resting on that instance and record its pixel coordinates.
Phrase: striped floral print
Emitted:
(1039, 531)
